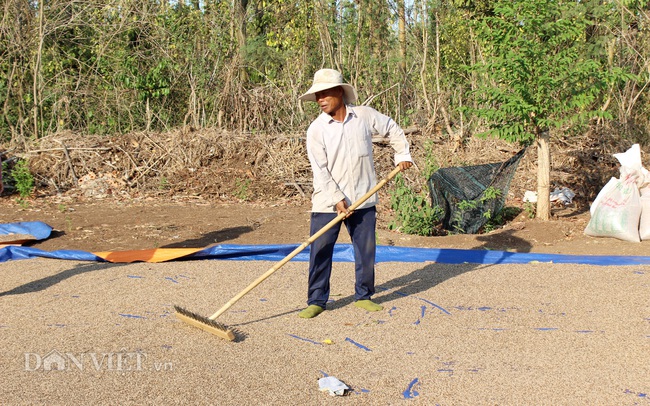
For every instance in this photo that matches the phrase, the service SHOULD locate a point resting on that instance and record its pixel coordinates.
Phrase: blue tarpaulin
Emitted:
(18, 252)
(38, 229)
(345, 253)
(342, 253)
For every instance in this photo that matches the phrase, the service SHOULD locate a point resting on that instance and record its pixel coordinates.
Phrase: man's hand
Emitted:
(342, 207)
(404, 165)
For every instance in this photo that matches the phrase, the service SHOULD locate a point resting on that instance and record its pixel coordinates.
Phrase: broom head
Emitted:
(204, 323)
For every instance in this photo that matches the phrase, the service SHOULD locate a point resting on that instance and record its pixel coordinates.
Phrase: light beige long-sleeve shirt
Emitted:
(340, 154)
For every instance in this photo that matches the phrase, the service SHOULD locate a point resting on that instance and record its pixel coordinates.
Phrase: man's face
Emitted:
(330, 100)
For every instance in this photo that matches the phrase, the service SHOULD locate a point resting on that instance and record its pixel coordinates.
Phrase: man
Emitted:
(339, 147)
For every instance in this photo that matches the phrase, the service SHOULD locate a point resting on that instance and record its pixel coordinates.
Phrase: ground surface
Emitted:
(127, 224)
(75, 332)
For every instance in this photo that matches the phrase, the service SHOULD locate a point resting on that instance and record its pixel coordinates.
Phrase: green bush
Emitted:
(413, 213)
(22, 179)
(502, 217)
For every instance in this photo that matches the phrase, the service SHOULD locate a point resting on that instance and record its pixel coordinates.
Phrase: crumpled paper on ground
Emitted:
(530, 196)
(333, 385)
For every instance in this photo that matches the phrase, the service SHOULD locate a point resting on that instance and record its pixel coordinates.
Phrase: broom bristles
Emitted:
(204, 323)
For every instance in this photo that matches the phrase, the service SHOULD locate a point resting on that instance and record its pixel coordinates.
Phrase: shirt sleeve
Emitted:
(387, 127)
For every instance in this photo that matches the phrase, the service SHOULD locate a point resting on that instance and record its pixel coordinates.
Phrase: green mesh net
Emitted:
(470, 195)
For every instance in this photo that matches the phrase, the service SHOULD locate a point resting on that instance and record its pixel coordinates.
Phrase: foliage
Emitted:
(413, 212)
(466, 206)
(539, 75)
(112, 67)
(22, 179)
(4, 174)
(502, 217)
(430, 163)
(242, 189)
(529, 208)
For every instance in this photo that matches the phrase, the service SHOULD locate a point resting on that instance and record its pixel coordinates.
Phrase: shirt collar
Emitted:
(349, 110)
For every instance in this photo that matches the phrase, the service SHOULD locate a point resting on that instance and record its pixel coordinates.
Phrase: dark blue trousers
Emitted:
(361, 227)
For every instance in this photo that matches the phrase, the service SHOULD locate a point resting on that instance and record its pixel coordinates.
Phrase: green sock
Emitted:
(368, 305)
(311, 311)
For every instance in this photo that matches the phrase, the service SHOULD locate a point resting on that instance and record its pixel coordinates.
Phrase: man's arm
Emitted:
(386, 127)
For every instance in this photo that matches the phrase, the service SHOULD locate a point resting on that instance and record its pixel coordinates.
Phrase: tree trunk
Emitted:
(326, 14)
(401, 15)
(356, 69)
(439, 101)
(543, 176)
(5, 106)
(423, 67)
(148, 114)
(241, 35)
(37, 70)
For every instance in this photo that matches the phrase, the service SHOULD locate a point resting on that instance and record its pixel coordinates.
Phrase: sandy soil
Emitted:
(144, 223)
(535, 334)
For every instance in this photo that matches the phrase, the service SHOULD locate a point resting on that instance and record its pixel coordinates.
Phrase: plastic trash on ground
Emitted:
(564, 195)
(333, 385)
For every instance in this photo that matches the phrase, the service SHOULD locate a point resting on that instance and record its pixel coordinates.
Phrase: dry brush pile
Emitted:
(218, 164)
(211, 163)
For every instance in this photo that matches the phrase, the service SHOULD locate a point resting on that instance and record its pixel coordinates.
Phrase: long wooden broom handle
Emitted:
(305, 244)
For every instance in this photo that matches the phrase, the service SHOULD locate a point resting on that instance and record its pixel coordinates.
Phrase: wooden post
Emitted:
(543, 176)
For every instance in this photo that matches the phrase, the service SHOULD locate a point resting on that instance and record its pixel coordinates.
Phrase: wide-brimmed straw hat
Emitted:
(326, 79)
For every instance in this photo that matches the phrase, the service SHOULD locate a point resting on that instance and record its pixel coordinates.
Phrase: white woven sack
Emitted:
(616, 211)
(644, 222)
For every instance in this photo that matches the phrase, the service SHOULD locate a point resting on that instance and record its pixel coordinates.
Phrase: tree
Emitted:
(401, 18)
(538, 78)
(114, 66)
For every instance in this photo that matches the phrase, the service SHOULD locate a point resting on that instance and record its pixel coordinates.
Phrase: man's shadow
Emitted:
(212, 237)
(502, 241)
(49, 281)
(448, 264)
(416, 282)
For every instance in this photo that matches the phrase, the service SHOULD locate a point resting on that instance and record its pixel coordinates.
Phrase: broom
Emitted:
(220, 330)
